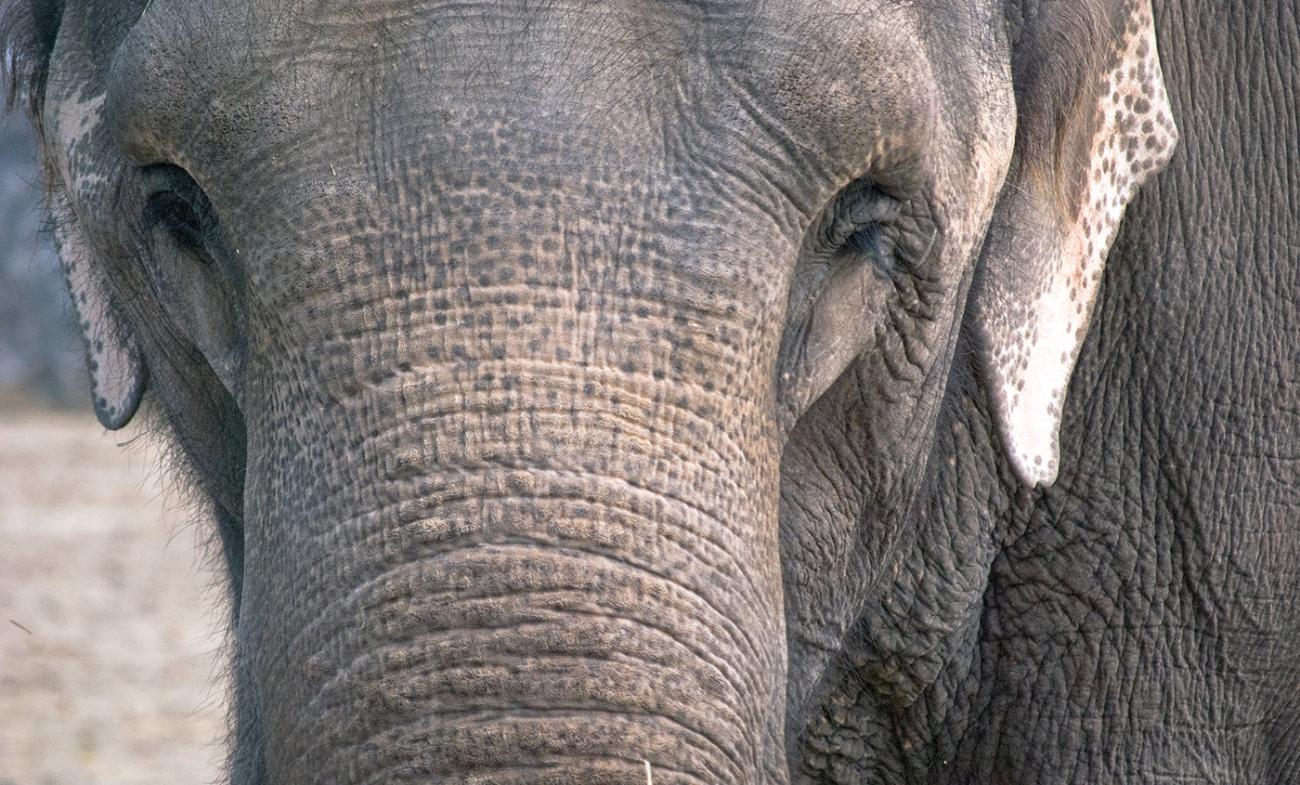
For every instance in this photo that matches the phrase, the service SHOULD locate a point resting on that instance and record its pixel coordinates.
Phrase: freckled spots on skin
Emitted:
(116, 372)
(1135, 138)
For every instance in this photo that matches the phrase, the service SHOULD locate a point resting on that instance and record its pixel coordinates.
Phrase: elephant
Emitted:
(676, 392)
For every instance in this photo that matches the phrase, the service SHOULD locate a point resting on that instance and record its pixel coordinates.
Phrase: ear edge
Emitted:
(115, 411)
(1038, 285)
(113, 358)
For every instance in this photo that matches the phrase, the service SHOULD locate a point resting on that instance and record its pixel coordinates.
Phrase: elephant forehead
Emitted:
(489, 216)
(809, 86)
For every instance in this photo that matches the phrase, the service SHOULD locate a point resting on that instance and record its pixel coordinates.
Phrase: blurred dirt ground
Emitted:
(110, 663)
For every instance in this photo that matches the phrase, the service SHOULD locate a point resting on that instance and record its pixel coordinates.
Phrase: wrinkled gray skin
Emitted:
(577, 386)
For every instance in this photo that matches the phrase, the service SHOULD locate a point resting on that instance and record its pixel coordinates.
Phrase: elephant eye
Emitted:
(864, 239)
(177, 205)
(857, 219)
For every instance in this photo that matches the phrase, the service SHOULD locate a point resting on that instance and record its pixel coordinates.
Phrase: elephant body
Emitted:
(705, 392)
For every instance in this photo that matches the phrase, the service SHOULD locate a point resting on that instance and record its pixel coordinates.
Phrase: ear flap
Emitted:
(1094, 122)
(79, 164)
(117, 372)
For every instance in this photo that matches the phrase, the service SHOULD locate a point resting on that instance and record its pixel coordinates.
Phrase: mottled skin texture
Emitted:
(1135, 622)
(580, 385)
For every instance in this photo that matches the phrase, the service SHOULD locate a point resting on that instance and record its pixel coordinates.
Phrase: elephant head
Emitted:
(485, 328)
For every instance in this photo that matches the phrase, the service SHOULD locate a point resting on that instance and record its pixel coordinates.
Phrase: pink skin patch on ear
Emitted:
(1136, 137)
(117, 376)
(116, 371)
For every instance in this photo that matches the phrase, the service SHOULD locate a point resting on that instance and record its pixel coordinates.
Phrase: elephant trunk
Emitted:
(546, 574)
(514, 492)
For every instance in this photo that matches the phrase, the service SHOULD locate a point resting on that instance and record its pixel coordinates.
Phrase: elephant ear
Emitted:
(117, 373)
(1093, 123)
(69, 119)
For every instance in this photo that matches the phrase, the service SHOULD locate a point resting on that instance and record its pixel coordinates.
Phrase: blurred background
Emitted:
(110, 622)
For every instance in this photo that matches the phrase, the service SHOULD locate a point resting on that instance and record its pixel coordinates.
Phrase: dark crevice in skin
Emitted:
(230, 530)
(917, 604)
(210, 449)
(247, 754)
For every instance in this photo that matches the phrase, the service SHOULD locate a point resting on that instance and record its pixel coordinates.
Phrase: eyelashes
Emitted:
(177, 207)
(178, 218)
(856, 222)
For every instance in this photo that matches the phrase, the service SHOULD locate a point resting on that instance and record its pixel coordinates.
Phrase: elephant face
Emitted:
(485, 328)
